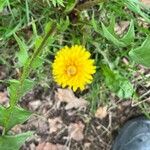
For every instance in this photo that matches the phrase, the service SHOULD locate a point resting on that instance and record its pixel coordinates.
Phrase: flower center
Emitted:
(71, 70)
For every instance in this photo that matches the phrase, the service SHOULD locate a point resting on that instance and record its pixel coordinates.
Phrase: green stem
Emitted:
(26, 71)
(104, 54)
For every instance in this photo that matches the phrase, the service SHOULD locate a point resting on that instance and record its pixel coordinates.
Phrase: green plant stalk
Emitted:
(26, 71)
(104, 55)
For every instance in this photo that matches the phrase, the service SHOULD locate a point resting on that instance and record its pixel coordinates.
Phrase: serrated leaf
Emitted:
(9, 118)
(37, 62)
(141, 54)
(111, 37)
(18, 89)
(38, 42)
(13, 89)
(117, 83)
(14, 142)
(130, 35)
(48, 26)
(23, 51)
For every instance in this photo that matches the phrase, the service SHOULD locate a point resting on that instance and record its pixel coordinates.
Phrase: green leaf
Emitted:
(9, 118)
(51, 39)
(112, 26)
(63, 24)
(130, 35)
(110, 34)
(57, 2)
(19, 89)
(2, 115)
(111, 37)
(135, 6)
(37, 62)
(23, 52)
(95, 25)
(34, 28)
(13, 89)
(117, 83)
(70, 5)
(8, 142)
(141, 54)
(2, 4)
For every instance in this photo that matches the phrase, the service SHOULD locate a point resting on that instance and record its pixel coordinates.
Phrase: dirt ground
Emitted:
(62, 121)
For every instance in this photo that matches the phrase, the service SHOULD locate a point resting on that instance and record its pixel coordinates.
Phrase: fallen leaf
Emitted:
(2, 72)
(50, 146)
(87, 145)
(55, 124)
(101, 112)
(35, 104)
(67, 95)
(75, 131)
(17, 129)
(121, 27)
(76, 103)
(146, 2)
(64, 95)
(3, 98)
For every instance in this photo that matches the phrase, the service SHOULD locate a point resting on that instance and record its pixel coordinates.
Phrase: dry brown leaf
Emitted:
(101, 112)
(55, 124)
(76, 103)
(121, 27)
(3, 98)
(64, 95)
(2, 72)
(75, 131)
(17, 129)
(146, 2)
(67, 95)
(50, 146)
(87, 145)
(35, 104)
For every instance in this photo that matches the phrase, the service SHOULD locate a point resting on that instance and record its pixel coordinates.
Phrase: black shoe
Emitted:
(135, 135)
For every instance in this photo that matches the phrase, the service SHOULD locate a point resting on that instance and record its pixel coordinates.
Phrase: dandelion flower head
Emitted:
(73, 67)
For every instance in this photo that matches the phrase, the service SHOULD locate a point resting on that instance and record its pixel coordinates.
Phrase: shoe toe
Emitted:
(135, 135)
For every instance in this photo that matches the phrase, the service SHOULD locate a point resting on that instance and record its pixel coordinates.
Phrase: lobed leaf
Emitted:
(141, 54)
(17, 89)
(111, 36)
(117, 83)
(130, 35)
(8, 142)
(9, 118)
(23, 52)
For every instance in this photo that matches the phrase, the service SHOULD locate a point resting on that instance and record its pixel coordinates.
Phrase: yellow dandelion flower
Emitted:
(73, 67)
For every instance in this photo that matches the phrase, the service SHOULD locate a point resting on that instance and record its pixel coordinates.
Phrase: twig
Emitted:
(136, 104)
